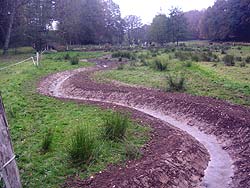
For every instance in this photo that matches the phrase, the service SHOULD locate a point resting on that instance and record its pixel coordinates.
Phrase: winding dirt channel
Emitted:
(195, 142)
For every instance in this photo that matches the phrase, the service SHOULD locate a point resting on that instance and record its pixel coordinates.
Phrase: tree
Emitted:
(159, 29)
(39, 16)
(133, 25)
(10, 7)
(114, 24)
(194, 18)
(178, 25)
(68, 16)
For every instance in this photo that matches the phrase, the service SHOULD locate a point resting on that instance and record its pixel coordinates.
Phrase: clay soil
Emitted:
(172, 158)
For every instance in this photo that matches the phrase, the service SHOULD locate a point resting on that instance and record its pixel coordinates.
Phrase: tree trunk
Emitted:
(8, 34)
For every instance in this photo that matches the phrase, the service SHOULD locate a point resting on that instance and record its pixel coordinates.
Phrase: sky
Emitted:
(147, 9)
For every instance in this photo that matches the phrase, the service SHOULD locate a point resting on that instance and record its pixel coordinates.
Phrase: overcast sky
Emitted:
(147, 9)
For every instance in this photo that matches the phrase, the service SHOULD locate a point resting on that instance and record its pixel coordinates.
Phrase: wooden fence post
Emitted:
(8, 167)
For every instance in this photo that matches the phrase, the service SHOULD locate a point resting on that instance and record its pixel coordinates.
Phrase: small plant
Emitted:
(74, 60)
(188, 64)
(115, 126)
(82, 145)
(229, 60)
(131, 151)
(159, 64)
(47, 141)
(67, 57)
(247, 60)
(238, 58)
(242, 64)
(120, 66)
(175, 83)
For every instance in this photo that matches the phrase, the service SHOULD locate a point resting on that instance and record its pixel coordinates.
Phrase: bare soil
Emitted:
(172, 158)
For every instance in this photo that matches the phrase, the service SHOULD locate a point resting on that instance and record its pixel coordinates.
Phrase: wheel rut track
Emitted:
(214, 117)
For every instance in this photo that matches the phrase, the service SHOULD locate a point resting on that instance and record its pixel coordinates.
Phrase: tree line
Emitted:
(33, 22)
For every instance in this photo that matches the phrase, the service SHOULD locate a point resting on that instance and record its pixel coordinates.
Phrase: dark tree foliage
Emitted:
(160, 30)
(227, 20)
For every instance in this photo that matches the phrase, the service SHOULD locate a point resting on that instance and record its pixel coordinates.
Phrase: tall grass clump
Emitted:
(74, 60)
(124, 54)
(115, 126)
(47, 141)
(159, 64)
(229, 60)
(82, 145)
(247, 60)
(176, 83)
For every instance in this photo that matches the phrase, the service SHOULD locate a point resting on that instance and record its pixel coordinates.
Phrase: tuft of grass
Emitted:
(120, 66)
(159, 64)
(47, 141)
(175, 83)
(247, 60)
(131, 151)
(188, 64)
(115, 126)
(229, 60)
(74, 60)
(67, 57)
(82, 145)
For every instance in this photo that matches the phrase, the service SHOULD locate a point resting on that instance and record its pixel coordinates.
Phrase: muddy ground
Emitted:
(172, 158)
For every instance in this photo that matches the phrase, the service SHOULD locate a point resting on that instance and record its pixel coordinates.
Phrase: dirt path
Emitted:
(224, 130)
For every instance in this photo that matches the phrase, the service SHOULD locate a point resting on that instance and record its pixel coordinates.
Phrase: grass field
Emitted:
(31, 115)
(202, 78)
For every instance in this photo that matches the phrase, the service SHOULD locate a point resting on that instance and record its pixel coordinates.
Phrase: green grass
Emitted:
(202, 78)
(31, 115)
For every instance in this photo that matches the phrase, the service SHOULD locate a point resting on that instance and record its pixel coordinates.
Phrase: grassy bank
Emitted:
(31, 115)
(202, 78)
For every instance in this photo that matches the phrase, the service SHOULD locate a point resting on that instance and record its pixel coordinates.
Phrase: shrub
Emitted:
(159, 64)
(229, 60)
(242, 64)
(175, 83)
(195, 57)
(120, 66)
(82, 145)
(188, 64)
(238, 58)
(67, 57)
(115, 126)
(47, 140)
(183, 56)
(131, 151)
(124, 54)
(247, 60)
(74, 60)
(223, 52)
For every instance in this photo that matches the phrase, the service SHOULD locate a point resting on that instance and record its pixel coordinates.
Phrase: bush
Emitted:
(159, 64)
(242, 64)
(124, 54)
(67, 57)
(74, 60)
(131, 151)
(120, 66)
(115, 126)
(82, 145)
(195, 57)
(238, 58)
(175, 84)
(229, 60)
(188, 64)
(47, 140)
(247, 60)
(183, 56)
